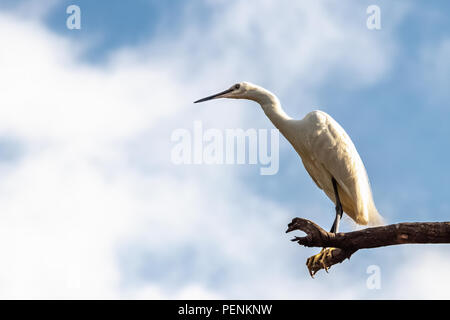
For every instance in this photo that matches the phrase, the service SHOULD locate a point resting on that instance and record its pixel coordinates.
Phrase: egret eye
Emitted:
(237, 86)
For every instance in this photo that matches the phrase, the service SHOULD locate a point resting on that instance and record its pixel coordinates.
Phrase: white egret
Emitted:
(327, 152)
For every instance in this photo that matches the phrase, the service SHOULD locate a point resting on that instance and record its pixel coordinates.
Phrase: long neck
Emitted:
(272, 108)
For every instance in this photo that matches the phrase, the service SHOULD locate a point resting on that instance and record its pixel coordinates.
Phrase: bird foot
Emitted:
(320, 261)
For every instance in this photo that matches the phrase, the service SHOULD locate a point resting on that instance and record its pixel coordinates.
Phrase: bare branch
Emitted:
(346, 244)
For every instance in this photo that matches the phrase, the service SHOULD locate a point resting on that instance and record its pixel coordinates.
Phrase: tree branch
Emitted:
(345, 244)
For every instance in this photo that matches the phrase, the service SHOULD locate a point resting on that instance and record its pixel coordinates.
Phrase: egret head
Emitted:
(241, 90)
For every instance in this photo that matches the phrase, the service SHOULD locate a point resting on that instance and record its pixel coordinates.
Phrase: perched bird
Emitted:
(327, 152)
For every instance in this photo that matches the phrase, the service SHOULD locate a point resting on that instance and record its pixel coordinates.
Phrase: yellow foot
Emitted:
(318, 261)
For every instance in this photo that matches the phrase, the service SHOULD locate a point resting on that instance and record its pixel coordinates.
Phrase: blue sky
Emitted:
(92, 138)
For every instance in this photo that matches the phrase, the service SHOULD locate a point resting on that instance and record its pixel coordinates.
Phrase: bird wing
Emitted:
(331, 153)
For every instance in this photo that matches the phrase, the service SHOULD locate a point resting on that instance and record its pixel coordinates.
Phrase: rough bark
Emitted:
(348, 243)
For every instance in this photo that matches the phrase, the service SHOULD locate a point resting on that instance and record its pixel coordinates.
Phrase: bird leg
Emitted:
(319, 261)
(339, 211)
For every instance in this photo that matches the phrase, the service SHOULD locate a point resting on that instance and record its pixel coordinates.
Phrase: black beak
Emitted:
(217, 95)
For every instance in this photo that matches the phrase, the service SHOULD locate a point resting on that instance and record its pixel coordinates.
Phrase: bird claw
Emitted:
(319, 261)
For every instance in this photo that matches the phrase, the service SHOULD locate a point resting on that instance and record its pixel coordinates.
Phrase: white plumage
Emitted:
(326, 151)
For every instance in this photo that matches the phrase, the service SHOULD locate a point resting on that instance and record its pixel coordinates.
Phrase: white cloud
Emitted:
(189, 292)
(422, 274)
(83, 216)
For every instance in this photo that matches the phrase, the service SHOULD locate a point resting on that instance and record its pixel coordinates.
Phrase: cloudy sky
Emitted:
(91, 205)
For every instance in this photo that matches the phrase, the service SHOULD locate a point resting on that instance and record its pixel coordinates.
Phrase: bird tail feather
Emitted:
(375, 218)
